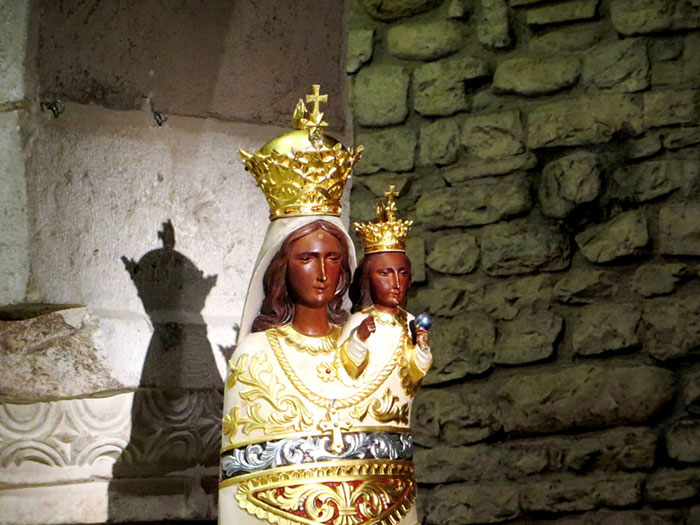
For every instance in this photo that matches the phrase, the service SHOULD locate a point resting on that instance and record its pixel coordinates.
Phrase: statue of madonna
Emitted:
(311, 435)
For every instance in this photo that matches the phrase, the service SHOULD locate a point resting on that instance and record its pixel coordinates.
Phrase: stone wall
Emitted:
(128, 245)
(14, 255)
(549, 154)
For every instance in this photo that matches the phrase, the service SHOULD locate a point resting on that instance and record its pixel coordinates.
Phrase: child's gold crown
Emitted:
(303, 172)
(385, 233)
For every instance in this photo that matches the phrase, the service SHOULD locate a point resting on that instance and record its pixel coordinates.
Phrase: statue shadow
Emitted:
(176, 413)
(173, 292)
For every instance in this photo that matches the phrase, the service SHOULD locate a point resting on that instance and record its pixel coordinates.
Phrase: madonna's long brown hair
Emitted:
(278, 305)
(360, 290)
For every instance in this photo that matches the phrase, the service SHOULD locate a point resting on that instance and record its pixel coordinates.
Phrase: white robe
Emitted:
(304, 390)
(293, 407)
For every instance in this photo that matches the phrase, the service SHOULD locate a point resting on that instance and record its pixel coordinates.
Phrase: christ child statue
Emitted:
(380, 329)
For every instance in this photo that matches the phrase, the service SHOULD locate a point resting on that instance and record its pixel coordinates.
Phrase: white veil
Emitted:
(277, 232)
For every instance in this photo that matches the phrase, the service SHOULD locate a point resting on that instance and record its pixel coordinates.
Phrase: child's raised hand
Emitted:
(366, 328)
(422, 337)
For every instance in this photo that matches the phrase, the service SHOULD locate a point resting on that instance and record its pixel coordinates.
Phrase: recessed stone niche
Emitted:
(130, 242)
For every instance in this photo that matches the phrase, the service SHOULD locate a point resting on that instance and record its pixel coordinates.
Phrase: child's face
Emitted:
(389, 279)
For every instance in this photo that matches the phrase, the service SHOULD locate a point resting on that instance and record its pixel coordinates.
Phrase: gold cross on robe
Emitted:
(333, 425)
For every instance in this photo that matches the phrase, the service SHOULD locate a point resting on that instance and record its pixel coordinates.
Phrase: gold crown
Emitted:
(386, 233)
(303, 172)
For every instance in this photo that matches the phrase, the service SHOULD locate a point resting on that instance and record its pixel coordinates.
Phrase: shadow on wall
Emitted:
(168, 470)
(173, 291)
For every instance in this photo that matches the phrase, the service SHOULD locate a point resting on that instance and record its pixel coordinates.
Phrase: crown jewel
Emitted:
(303, 172)
(386, 233)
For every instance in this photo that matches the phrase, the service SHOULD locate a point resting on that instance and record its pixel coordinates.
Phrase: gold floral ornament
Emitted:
(376, 493)
(386, 409)
(326, 372)
(287, 411)
(386, 233)
(411, 376)
(303, 172)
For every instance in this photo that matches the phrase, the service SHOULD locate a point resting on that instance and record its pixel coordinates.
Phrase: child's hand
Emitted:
(422, 337)
(367, 327)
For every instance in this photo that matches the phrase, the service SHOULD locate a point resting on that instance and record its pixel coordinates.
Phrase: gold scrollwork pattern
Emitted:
(411, 375)
(409, 386)
(386, 409)
(288, 412)
(378, 493)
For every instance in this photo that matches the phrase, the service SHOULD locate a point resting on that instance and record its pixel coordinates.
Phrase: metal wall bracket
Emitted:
(159, 117)
(56, 107)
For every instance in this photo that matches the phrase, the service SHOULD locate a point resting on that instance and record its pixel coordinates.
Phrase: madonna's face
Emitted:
(389, 279)
(314, 268)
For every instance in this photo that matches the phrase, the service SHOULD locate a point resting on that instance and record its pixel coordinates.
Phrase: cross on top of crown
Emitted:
(389, 209)
(315, 123)
(316, 98)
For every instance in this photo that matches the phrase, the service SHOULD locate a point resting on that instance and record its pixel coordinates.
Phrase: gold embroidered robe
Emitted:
(305, 443)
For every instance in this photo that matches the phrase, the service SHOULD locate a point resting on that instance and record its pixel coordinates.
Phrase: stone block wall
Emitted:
(549, 153)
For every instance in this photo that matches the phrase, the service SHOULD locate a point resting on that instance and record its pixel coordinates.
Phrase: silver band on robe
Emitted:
(310, 449)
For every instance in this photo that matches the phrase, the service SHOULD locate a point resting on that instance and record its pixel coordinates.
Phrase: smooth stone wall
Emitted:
(14, 235)
(126, 246)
